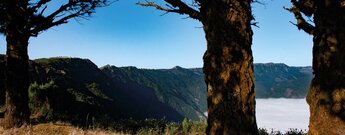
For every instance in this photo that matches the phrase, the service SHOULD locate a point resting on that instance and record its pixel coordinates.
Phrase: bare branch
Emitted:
(176, 6)
(255, 24)
(183, 7)
(304, 6)
(72, 9)
(42, 11)
(152, 4)
(301, 22)
(259, 2)
(39, 5)
(45, 26)
(63, 8)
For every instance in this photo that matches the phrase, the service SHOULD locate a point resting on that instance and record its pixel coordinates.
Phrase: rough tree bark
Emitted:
(326, 95)
(228, 63)
(228, 67)
(19, 20)
(17, 81)
(2, 85)
(16, 66)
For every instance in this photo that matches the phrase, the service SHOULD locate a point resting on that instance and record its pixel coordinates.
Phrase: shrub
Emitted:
(292, 131)
(185, 125)
(38, 101)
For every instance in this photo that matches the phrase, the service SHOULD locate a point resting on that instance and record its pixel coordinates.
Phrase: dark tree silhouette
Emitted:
(326, 95)
(228, 61)
(20, 20)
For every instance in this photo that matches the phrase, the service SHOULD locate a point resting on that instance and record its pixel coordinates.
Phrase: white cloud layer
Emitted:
(282, 114)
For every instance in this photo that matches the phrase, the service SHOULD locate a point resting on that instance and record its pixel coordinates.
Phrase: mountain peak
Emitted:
(108, 66)
(177, 67)
(271, 64)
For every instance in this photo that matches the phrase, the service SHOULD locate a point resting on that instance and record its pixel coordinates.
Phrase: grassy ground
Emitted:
(54, 129)
(147, 127)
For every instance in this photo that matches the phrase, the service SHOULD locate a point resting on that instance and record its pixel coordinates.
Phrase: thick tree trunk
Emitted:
(17, 111)
(228, 67)
(2, 84)
(17, 81)
(326, 96)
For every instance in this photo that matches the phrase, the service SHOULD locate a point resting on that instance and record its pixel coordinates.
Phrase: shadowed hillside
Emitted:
(76, 90)
(279, 80)
(183, 89)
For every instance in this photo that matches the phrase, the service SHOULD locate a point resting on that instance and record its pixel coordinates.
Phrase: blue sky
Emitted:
(125, 34)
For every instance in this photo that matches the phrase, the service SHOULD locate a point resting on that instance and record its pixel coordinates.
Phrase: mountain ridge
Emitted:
(130, 92)
(269, 79)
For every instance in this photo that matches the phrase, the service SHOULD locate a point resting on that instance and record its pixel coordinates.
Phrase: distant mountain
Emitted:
(183, 89)
(76, 90)
(279, 80)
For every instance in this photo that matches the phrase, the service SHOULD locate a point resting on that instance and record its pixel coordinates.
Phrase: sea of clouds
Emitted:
(282, 114)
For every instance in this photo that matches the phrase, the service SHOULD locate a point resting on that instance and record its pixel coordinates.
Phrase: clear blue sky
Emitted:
(125, 34)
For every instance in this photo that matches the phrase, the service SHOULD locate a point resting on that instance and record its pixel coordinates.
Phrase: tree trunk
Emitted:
(326, 96)
(17, 110)
(2, 84)
(228, 67)
(17, 81)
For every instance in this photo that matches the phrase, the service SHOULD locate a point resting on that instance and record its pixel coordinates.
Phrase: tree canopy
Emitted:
(37, 17)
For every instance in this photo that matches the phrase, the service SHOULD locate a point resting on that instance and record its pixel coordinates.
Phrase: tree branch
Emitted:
(45, 26)
(72, 9)
(301, 22)
(304, 6)
(152, 4)
(176, 6)
(39, 5)
(63, 8)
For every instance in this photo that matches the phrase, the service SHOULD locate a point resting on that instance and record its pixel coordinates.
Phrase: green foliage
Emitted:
(38, 100)
(163, 127)
(291, 131)
(157, 127)
(81, 97)
(96, 90)
(185, 125)
(54, 60)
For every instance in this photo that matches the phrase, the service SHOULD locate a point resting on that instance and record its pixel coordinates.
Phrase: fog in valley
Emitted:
(282, 114)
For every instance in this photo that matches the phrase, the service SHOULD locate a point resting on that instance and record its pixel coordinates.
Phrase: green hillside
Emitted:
(279, 80)
(76, 90)
(183, 89)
